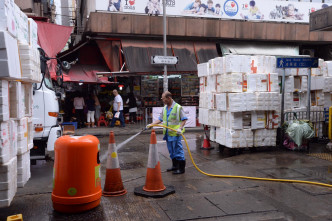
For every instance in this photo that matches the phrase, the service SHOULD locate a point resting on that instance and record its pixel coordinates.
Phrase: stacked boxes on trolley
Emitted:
(19, 69)
(296, 93)
(240, 100)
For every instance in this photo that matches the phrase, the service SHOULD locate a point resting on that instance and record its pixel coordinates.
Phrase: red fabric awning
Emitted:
(52, 38)
(85, 74)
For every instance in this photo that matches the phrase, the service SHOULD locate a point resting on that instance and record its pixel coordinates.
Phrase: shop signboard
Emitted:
(297, 62)
(156, 59)
(190, 111)
(255, 10)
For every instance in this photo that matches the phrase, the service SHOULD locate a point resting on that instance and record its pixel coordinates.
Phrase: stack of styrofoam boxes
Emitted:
(317, 96)
(242, 100)
(18, 53)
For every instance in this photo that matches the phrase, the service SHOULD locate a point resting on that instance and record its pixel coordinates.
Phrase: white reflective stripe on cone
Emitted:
(153, 156)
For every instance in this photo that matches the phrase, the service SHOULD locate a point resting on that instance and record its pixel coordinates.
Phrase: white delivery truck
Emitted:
(44, 115)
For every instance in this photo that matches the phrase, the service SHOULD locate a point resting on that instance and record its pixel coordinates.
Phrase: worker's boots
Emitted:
(181, 167)
(174, 166)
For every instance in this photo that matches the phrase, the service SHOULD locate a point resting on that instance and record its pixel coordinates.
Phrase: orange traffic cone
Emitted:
(154, 186)
(206, 142)
(113, 183)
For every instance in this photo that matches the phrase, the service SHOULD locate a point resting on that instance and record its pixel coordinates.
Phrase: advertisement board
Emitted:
(256, 10)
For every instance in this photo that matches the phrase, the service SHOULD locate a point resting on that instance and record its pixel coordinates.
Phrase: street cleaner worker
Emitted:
(173, 116)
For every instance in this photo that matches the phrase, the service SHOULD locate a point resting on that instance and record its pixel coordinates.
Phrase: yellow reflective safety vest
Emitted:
(174, 120)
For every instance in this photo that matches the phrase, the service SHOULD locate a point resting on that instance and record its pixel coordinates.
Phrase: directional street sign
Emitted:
(164, 59)
(297, 62)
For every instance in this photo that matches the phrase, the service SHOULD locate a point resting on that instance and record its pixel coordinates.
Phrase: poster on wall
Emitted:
(263, 10)
(190, 111)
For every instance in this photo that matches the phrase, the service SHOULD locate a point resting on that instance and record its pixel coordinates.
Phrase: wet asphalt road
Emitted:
(197, 196)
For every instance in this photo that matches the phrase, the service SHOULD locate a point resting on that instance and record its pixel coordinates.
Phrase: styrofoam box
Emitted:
(232, 82)
(250, 101)
(234, 121)
(203, 116)
(221, 102)
(257, 64)
(272, 119)
(265, 138)
(211, 83)
(7, 20)
(13, 137)
(203, 100)
(300, 99)
(33, 33)
(300, 83)
(16, 99)
(327, 84)
(272, 83)
(23, 169)
(288, 101)
(329, 68)
(28, 94)
(9, 58)
(210, 97)
(289, 84)
(257, 82)
(8, 182)
(203, 69)
(235, 102)
(317, 83)
(212, 133)
(258, 119)
(214, 66)
(22, 26)
(220, 135)
(238, 138)
(327, 100)
(216, 118)
(270, 64)
(317, 98)
(202, 84)
(233, 63)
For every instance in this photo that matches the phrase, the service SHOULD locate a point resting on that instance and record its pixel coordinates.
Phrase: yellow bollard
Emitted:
(330, 123)
(17, 217)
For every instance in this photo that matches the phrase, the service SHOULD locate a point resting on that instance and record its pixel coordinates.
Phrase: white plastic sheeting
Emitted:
(259, 49)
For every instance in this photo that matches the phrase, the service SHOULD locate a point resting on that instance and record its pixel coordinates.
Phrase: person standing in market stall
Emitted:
(79, 110)
(90, 103)
(173, 116)
(131, 101)
(117, 109)
(97, 106)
